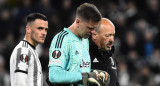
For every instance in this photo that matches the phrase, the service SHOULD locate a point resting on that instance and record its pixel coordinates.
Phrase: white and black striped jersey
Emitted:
(25, 67)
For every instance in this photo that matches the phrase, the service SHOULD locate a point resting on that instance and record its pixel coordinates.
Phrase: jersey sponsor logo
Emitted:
(56, 54)
(24, 58)
(84, 64)
(113, 64)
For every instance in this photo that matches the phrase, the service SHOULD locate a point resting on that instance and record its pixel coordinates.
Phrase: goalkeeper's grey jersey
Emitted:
(25, 67)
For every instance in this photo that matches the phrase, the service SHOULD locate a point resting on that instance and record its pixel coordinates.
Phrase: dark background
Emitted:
(137, 37)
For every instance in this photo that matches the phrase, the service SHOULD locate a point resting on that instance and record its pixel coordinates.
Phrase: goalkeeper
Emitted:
(69, 59)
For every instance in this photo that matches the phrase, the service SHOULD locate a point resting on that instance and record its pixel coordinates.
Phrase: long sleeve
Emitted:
(58, 75)
(59, 56)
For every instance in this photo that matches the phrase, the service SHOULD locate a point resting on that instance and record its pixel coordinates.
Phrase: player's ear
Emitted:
(28, 29)
(77, 20)
(94, 35)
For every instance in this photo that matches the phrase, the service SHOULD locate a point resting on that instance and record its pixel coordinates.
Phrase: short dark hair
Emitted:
(33, 16)
(88, 12)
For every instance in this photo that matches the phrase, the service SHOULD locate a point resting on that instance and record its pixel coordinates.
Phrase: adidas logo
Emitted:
(76, 52)
(95, 60)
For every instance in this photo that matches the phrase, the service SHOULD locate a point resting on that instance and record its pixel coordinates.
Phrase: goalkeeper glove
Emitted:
(99, 77)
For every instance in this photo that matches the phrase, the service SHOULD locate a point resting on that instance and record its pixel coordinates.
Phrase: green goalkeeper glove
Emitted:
(99, 77)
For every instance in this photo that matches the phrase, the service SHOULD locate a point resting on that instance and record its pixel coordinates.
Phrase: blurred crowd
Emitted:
(137, 40)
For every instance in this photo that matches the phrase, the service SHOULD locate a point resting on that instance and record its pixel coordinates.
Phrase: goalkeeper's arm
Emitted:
(99, 77)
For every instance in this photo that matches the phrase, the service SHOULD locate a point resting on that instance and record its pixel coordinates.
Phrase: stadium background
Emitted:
(137, 40)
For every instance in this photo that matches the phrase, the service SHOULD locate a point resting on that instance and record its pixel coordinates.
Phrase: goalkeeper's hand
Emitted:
(99, 77)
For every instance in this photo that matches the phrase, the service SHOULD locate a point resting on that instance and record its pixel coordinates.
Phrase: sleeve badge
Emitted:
(56, 54)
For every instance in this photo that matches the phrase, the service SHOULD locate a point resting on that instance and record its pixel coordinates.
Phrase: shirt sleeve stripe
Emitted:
(62, 40)
(18, 57)
(59, 39)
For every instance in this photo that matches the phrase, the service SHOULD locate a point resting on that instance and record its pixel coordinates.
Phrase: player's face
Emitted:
(105, 38)
(85, 28)
(39, 31)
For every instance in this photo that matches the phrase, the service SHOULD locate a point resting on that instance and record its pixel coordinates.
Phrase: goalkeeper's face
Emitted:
(105, 37)
(85, 28)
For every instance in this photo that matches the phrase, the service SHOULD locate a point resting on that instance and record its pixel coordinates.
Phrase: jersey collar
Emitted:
(29, 44)
(70, 32)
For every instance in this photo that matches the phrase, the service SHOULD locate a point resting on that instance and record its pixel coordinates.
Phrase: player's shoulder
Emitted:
(20, 45)
(61, 36)
(62, 33)
(23, 47)
(60, 40)
(21, 50)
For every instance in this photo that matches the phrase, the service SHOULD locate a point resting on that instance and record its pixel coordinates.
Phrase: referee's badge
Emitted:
(56, 54)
